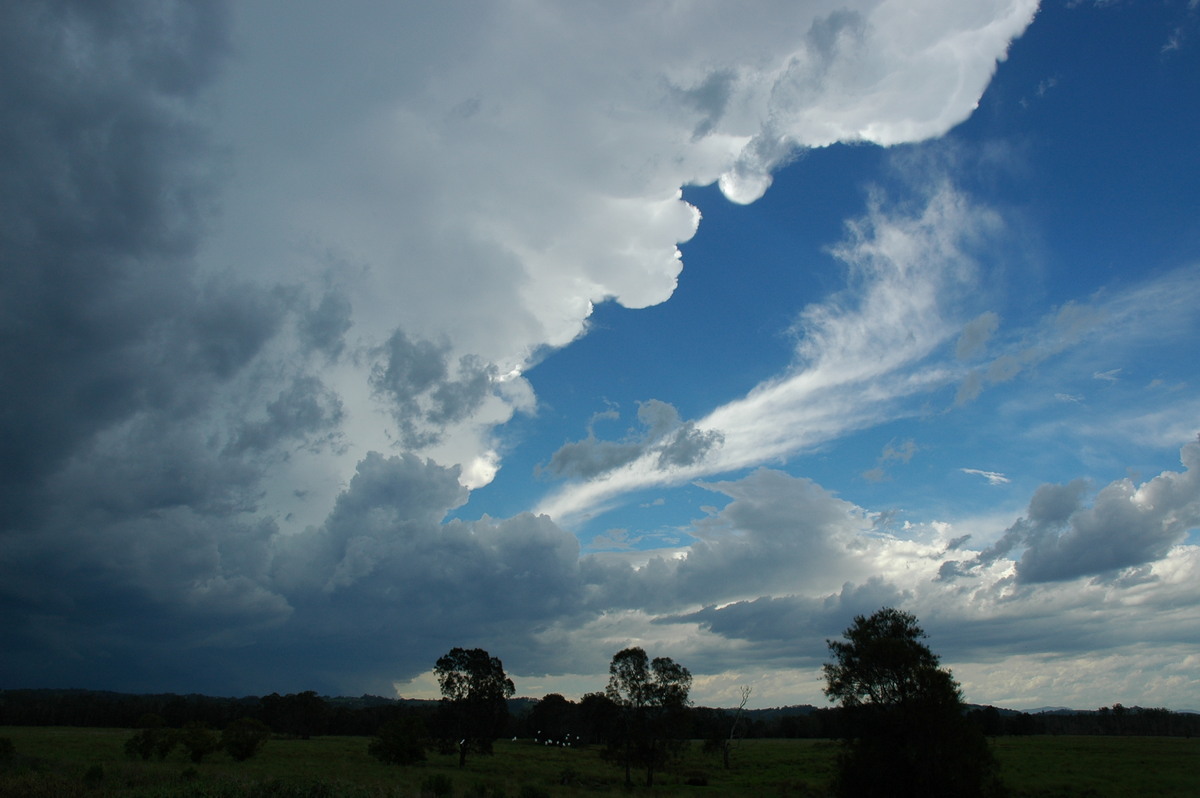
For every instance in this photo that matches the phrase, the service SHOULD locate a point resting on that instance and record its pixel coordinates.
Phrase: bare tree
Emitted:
(737, 729)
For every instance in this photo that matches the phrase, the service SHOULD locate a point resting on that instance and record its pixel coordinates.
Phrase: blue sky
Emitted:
(340, 338)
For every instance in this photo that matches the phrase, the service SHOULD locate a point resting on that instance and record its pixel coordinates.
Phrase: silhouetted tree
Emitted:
(152, 739)
(653, 697)
(198, 741)
(554, 720)
(907, 733)
(599, 719)
(300, 714)
(400, 742)
(474, 705)
(244, 738)
(737, 727)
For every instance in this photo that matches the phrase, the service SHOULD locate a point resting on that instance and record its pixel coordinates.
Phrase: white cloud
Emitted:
(992, 477)
(470, 192)
(858, 353)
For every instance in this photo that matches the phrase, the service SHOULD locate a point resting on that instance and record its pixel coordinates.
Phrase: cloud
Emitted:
(1125, 527)
(1118, 321)
(107, 181)
(975, 335)
(670, 441)
(859, 354)
(992, 477)
(470, 197)
(425, 397)
(234, 234)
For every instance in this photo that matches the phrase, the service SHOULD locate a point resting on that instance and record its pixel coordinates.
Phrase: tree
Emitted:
(553, 721)
(737, 728)
(300, 714)
(475, 693)
(152, 739)
(400, 742)
(245, 737)
(198, 740)
(907, 732)
(653, 696)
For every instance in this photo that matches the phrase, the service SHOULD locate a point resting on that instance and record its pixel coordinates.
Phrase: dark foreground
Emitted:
(60, 761)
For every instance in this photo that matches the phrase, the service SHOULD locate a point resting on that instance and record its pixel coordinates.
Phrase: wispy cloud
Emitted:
(992, 477)
(858, 353)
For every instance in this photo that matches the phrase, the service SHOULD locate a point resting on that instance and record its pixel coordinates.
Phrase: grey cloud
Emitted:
(590, 457)
(793, 629)
(976, 334)
(1126, 526)
(415, 377)
(392, 583)
(688, 445)
(675, 443)
(323, 328)
(229, 324)
(778, 534)
(306, 411)
(710, 97)
(107, 184)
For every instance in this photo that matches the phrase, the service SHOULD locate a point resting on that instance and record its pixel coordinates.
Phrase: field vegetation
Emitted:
(91, 763)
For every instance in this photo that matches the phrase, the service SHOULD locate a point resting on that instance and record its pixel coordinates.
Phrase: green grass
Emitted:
(56, 762)
(1103, 767)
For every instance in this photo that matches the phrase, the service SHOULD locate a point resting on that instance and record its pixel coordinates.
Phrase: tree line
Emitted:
(904, 726)
(307, 714)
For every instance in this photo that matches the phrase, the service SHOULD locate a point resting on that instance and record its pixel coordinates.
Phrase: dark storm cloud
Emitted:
(105, 185)
(672, 441)
(391, 583)
(134, 422)
(1126, 526)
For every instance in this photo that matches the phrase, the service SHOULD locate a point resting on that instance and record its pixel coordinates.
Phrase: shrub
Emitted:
(400, 742)
(244, 738)
(156, 742)
(199, 741)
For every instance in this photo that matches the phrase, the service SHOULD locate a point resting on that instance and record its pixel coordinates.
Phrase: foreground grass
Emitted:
(1102, 767)
(91, 762)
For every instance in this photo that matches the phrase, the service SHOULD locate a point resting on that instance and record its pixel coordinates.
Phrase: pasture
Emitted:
(85, 762)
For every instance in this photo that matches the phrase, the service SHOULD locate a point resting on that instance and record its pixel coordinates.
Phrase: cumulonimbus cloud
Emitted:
(229, 228)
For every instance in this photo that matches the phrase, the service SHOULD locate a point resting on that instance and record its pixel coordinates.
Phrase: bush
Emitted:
(199, 741)
(244, 738)
(156, 742)
(400, 742)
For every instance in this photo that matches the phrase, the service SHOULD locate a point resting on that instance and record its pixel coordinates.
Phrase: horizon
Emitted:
(335, 338)
(528, 698)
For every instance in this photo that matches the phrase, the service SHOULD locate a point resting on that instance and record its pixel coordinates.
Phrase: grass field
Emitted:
(91, 762)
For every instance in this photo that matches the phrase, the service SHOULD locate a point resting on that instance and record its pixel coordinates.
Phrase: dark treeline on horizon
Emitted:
(553, 719)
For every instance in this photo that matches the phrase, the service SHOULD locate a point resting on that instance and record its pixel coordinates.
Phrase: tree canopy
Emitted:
(910, 733)
(653, 695)
(475, 690)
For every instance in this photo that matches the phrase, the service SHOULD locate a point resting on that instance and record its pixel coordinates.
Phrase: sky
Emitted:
(337, 337)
